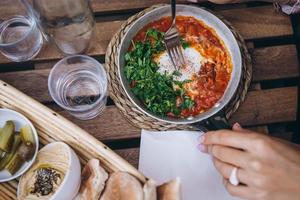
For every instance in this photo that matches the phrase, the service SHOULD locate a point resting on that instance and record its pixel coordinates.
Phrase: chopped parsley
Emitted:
(159, 92)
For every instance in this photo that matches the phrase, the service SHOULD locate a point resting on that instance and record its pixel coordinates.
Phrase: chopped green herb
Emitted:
(157, 35)
(188, 103)
(154, 89)
(177, 73)
(184, 43)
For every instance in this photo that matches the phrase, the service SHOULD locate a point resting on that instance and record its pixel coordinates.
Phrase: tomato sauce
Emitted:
(208, 86)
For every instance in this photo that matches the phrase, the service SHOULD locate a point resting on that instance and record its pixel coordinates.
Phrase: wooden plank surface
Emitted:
(117, 5)
(131, 155)
(275, 63)
(265, 106)
(252, 23)
(8, 7)
(268, 63)
(258, 109)
(259, 22)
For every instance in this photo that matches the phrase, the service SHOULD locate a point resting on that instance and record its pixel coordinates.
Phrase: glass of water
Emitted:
(78, 84)
(67, 23)
(20, 37)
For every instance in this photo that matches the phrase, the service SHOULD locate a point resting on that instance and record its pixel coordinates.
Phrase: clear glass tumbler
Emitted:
(68, 23)
(78, 84)
(20, 37)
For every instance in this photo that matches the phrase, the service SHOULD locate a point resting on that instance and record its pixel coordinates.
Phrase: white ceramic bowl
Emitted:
(19, 121)
(71, 183)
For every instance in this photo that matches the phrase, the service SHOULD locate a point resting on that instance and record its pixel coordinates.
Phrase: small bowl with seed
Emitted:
(55, 175)
(18, 144)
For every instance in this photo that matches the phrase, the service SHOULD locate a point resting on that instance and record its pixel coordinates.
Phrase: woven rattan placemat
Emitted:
(138, 118)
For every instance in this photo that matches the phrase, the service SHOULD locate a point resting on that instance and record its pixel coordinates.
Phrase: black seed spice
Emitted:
(45, 180)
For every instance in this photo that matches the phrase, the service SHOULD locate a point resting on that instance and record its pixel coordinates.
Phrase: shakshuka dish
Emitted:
(193, 89)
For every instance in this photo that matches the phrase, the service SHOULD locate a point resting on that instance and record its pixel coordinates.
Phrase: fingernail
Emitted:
(237, 126)
(201, 139)
(202, 148)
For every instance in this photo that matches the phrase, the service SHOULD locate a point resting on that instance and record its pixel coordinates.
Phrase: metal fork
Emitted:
(172, 41)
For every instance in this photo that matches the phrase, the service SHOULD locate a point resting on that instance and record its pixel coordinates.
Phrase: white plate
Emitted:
(19, 121)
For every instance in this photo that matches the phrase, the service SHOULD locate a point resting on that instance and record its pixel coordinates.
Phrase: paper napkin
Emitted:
(169, 154)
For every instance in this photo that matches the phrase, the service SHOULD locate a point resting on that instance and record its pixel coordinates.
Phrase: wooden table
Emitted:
(272, 102)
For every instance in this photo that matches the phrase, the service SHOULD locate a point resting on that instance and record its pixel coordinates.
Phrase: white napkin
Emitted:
(170, 154)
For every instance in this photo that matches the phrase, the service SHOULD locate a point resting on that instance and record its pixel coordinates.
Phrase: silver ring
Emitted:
(233, 179)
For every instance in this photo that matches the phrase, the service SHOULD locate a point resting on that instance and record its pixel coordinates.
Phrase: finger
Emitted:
(225, 170)
(228, 138)
(239, 128)
(230, 155)
(202, 148)
(240, 191)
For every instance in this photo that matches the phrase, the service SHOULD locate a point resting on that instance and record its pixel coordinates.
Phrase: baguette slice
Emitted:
(150, 190)
(93, 181)
(122, 186)
(169, 191)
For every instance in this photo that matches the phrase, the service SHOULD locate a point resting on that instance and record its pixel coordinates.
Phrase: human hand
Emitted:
(268, 168)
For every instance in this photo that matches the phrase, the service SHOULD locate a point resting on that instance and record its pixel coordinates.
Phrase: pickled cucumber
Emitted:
(26, 151)
(27, 135)
(6, 136)
(14, 164)
(2, 154)
(8, 156)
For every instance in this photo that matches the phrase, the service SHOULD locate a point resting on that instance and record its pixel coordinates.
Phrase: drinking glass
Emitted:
(20, 37)
(68, 23)
(78, 84)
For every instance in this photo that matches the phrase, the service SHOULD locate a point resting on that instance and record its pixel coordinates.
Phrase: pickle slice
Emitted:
(14, 164)
(27, 135)
(6, 136)
(8, 156)
(26, 151)
(2, 154)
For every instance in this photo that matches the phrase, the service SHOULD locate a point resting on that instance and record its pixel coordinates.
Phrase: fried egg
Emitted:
(193, 60)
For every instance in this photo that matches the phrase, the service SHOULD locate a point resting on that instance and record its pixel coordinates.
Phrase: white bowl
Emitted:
(19, 121)
(70, 185)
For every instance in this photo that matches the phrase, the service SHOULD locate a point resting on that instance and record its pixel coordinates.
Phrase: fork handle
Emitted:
(173, 7)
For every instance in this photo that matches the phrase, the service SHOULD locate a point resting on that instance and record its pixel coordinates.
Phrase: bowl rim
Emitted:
(219, 105)
(71, 153)
(36, 137)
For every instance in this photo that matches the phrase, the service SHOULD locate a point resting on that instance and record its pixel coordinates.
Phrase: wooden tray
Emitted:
(53, 127)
